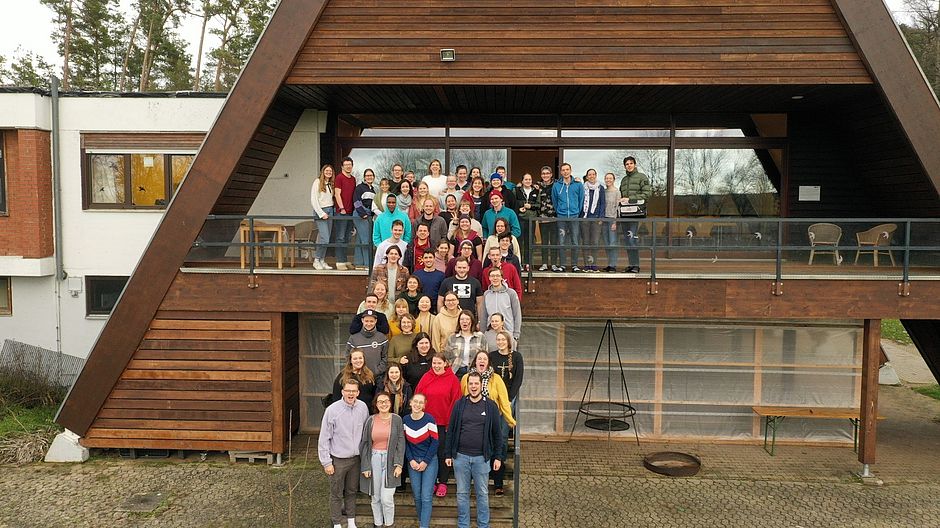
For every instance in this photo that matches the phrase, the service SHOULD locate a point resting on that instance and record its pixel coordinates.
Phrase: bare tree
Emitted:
(923, 35)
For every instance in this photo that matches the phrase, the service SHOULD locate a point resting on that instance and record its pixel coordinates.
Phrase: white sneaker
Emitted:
(317, 264)
(325, 265)
(543, 267)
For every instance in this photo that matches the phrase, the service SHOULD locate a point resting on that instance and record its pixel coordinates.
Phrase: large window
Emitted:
(6, 296)
(102, 293)
(3, 178)
(381, 160)
(652, 162)
(727, 182)
(133, 180)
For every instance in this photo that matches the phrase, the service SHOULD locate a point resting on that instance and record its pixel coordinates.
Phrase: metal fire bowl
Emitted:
(672, 464)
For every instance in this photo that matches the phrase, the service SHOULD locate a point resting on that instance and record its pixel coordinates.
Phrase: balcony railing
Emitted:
(902, 249)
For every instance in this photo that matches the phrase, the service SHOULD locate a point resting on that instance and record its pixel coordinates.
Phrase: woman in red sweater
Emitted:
(442, 389)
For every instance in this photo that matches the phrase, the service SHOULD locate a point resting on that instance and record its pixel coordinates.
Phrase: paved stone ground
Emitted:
(582, 483)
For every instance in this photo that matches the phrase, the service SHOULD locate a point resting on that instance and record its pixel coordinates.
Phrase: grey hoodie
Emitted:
(503, 301)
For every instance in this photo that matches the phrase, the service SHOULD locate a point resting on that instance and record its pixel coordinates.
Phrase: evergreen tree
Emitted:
(242, 22)
(96, 45)
(63, 34)
(26, 69)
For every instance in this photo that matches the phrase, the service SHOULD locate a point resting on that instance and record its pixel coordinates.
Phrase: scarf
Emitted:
(591, 197)
(486, 381)
(397, 392)
(404, 202)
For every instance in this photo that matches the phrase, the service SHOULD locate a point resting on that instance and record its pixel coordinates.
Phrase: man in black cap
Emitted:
(374, 344)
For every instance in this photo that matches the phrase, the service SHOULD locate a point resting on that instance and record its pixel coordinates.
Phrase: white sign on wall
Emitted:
(809, 193)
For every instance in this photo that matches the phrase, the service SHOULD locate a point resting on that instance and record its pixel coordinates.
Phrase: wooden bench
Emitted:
(773, 416)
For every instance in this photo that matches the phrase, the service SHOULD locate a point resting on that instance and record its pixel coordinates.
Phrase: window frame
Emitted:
(89, 297)
(128, 204)
(8, 311)
(4, 208)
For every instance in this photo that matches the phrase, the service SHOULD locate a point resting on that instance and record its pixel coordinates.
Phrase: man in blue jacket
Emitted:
(383, 222)
(568, 198)
(474, 446)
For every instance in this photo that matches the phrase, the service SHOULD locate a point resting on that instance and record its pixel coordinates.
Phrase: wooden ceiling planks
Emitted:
(555, 42)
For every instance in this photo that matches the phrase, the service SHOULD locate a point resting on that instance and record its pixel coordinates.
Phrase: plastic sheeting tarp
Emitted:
(686, 379)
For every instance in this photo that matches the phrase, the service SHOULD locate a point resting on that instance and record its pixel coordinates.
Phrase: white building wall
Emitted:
(110, 242)
(34, 312)
(287, 189)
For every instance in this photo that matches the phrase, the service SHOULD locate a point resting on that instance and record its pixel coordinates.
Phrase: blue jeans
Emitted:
(324, 227)
(342, 228)
(478, 469)
(422, 486)
(632, 236)
(613, 242)
(569, 234)
(363, 239)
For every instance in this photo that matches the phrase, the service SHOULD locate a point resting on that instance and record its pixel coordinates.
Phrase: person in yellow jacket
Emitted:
(493, 386)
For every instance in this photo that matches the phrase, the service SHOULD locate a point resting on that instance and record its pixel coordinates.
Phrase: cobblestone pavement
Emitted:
(581, 483)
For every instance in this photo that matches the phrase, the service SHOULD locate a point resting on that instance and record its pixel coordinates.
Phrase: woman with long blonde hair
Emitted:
(322, 200)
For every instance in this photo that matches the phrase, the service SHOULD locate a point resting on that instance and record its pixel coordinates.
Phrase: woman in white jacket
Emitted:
(321, 198)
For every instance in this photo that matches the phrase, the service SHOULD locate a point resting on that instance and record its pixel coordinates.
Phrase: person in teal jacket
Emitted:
(498, 210)
(382, 228)
(568, 198)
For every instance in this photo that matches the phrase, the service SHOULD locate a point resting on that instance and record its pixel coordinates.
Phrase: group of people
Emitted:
(424, 391)
(466, 215)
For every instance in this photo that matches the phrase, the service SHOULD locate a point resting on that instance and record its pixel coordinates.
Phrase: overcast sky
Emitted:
(30, 27)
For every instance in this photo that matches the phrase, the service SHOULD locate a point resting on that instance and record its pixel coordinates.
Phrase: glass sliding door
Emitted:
(653, 162)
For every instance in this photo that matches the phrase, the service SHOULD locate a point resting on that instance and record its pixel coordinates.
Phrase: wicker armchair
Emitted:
(824, 238)
(874, 239)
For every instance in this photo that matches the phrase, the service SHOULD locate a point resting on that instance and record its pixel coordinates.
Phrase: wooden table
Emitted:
(279, 231)
(773, 417)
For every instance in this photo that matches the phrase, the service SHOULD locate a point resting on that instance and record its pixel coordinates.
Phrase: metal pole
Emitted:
(516, 463)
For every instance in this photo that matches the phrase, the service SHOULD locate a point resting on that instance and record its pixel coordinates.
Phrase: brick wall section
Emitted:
(27, 228)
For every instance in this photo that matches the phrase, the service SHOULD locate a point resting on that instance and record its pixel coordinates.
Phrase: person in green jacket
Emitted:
(634, 186)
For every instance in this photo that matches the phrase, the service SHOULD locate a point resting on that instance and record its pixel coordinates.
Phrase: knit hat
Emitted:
(496, 176)
(369, 313)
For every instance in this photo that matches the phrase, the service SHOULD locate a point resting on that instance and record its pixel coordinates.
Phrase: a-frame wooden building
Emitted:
(210, 360)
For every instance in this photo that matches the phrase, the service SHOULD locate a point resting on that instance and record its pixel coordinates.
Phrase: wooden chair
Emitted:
(826, 237)
(877, 237)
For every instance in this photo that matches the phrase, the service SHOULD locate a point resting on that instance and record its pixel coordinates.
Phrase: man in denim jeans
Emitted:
(473, 447)
(568, 198)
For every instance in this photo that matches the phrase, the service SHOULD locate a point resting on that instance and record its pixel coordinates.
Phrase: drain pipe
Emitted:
(60, 274)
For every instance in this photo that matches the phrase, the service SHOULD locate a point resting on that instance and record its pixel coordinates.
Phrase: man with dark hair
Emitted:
(473, 447)
(510, 274)
(634, 186)
(437, 226)
(398, 173)
(381, 320)
(430, 278)
(338, 451)
(568, 197)
(499, 210)
(469, 290)
(419, 245)
(344, 188)
(547, 229)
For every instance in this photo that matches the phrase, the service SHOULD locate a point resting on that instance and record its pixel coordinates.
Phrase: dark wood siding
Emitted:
(161, 140)
(197, 381)
(586, 42)
(686, 298)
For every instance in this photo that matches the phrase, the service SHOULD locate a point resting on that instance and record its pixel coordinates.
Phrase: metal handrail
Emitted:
(777, 243)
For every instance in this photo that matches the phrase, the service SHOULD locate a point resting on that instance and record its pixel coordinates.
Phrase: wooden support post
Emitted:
(869, 401)
(278, 421)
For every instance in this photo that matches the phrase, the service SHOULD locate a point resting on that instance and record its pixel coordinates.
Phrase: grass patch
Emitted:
(16, 419)
(893, 329)
(933, 391)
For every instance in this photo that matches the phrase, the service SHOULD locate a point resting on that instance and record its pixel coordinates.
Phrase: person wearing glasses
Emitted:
(338, 451)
